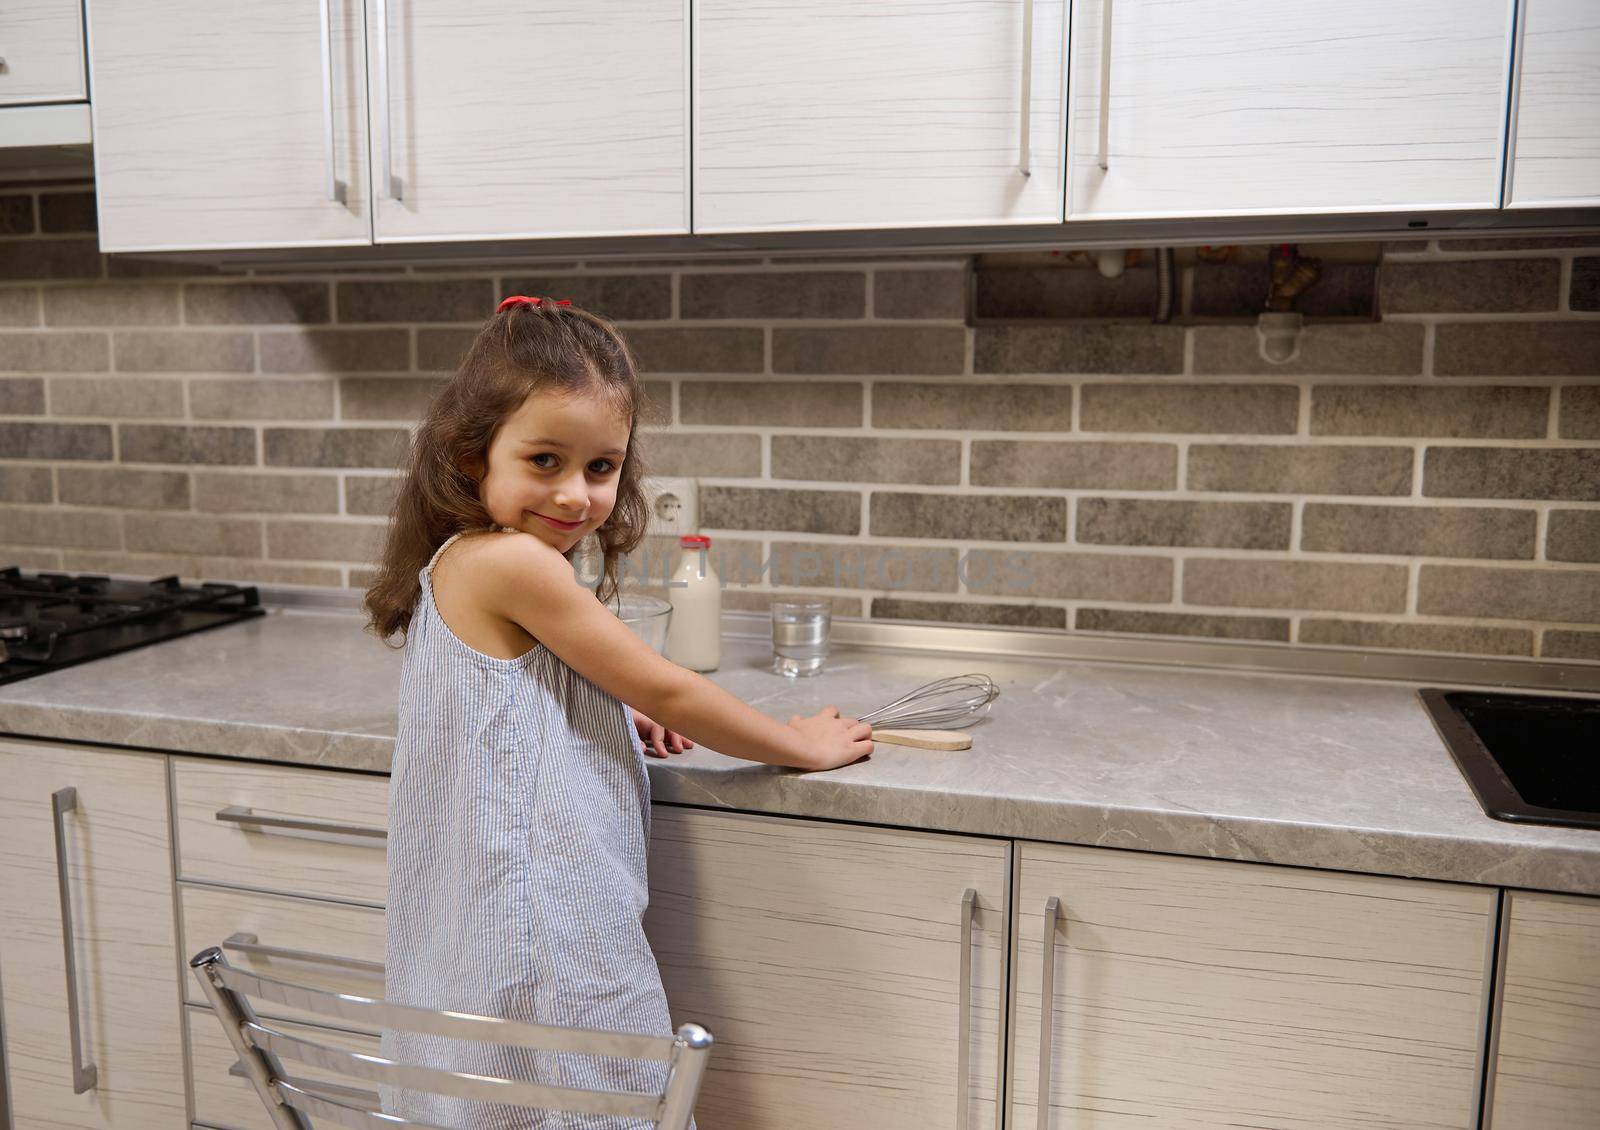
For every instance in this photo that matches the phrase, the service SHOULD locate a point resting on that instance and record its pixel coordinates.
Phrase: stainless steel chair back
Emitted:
(293, 1102)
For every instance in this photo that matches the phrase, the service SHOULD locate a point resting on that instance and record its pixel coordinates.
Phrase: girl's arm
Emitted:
(519, 577)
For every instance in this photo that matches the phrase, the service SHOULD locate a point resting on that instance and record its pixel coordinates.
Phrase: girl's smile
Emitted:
(554, 465)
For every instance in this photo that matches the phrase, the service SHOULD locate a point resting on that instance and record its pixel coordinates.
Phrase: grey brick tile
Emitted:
(1377, 349)
(1486, 412)
(70, 257)
(370, 494)
(1074, 464)
(890, 568)
(30, 440)
(67, 212)
(1561, 595)
(246, 398)
(1183, 624)
(259, 303)
(1308, 585)
(1512, 472)
(124, 488)
(655, 403)
(805, 511)
(1447, 638)
(699, 350)
(111, 304)
(968, 517)
(1470, 286)
(1532, 349)
(198, 533)
(703, 454)
(19, 306)
(1085, 348)
(116, 396)
(866, 459)
(969, 612)
(934, 293)
(335, 447)
(442, 350)
(773, 294)
(246, 493)
(972, 407)
(1062, 292)
(1285, 469)
(1573, 535)
(60, 529)
(735, 600)
(183, 351)
(621, 298)
(174, 443)
(325, 541)
(431, 300)
(1230, 525)
(335, 351)
(887, 350)
(26, 352)
(1192, 408)
(1585, 293)
(386, 398)
(1580, 412)
(1563, 644)
(1419, 531)
(818, 404)
(1141, 578)
(21, 396)
(16, 214)
(26, 484)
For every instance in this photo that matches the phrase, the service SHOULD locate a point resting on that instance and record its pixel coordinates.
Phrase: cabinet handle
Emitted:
(337, 190)
(1023, 162)
(969, 899)
(84, 1074)
(391, 183)
(237, 814)
(1105, 86)
(1047, 998)
(250, 945)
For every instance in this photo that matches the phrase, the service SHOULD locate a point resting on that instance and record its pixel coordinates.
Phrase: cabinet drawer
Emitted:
(42, 45)
(336, 946)
(230, 1101)
(218, 844)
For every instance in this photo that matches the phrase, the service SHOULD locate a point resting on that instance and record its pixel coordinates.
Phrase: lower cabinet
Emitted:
(835, 967)
(113, 877)
(1545, 1070)
(1174, 993)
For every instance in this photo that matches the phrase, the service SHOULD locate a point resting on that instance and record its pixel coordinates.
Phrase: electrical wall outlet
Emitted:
(673, 509)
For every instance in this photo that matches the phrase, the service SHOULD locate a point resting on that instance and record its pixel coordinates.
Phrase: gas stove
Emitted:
(53, 620)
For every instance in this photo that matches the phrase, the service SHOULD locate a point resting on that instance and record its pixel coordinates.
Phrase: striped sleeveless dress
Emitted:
(519, 816)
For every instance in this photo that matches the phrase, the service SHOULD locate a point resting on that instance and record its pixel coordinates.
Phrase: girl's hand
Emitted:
(834, 740)
(658, 740)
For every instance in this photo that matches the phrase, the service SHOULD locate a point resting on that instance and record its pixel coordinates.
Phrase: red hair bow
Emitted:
(519, 299)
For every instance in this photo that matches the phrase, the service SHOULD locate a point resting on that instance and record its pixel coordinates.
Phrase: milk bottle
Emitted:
(694, 634)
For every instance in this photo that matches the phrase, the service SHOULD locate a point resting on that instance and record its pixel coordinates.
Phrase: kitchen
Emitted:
(1213, 396)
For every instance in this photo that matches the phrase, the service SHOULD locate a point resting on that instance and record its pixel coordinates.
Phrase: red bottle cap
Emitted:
(695, 541)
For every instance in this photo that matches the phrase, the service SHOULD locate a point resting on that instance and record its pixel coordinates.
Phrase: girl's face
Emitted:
(553, 467)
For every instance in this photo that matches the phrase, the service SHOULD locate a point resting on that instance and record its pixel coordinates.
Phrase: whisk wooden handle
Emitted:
(924, 739)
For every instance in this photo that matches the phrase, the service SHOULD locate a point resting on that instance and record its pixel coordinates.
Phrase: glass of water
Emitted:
(799, 637)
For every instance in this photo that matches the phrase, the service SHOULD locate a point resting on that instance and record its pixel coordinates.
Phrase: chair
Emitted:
(291, 1103)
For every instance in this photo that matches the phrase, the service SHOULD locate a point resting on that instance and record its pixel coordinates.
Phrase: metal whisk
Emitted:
(954, 701)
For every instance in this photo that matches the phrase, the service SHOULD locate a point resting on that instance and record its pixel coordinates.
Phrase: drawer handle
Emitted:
(84, 1073)
(391, 186)
(250, 946)
(1047, 1004)
(969, 899)
(1104, 160)
(1027, 86)
(238, 814)
(336, 187)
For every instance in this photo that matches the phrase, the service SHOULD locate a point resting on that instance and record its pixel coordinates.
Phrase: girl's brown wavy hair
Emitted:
(520, 351)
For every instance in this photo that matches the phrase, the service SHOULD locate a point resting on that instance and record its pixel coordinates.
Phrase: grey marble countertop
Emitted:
(1344, 774)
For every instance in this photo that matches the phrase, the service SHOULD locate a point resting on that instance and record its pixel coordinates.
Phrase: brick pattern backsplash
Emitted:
(1426, 481)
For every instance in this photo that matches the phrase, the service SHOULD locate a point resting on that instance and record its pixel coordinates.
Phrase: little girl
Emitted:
(519, 807)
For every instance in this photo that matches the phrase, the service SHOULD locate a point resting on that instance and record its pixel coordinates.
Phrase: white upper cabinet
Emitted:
(41, 52)
(229, 124)
(527, 118)
(1555, 141)
(903, 113)
(1239, 107)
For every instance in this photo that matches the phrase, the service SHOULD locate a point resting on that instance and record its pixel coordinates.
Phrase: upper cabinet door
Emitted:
(1238, 107)
(1555, 146)
(528, 119)
(229, 124)
(902, 113)
(41, 52)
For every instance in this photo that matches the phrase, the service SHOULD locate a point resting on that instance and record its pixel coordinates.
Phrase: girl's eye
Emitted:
(602, 466)
(534, 459)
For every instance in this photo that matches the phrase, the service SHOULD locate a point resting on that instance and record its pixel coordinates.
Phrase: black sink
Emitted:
(1529, 758)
